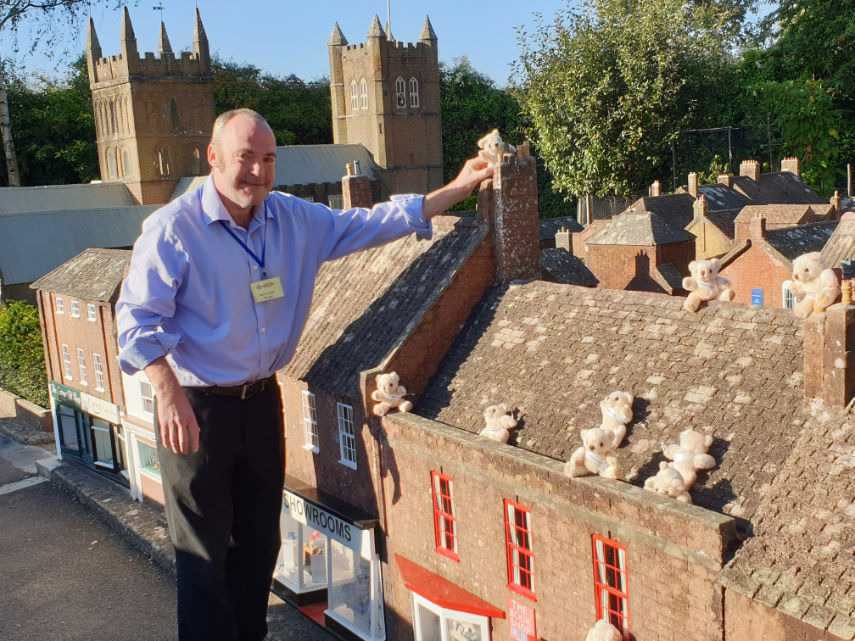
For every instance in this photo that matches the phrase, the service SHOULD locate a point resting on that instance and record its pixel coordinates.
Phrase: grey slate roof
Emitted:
(675, 209)
(724, 219)
(841, 244)
(777, 187)
(312, 164)
(638, 228)
(364, 302)
(792, 242)
(33, 243)
(550, 226)
(560, 266)
(94, 274)
(64, 197)
(722, 197)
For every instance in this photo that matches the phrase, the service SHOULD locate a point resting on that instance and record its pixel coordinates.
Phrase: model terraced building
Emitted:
(153, 115)
(385, 94)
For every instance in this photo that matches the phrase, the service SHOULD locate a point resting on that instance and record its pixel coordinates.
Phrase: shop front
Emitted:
(329, 563)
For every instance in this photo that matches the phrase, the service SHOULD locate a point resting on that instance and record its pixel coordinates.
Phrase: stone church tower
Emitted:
(385, 95)
(153, 115)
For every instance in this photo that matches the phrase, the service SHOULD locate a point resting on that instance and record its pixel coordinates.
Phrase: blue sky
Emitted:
(283, 37)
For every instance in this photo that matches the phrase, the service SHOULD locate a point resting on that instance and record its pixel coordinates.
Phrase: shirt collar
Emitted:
(213, 209)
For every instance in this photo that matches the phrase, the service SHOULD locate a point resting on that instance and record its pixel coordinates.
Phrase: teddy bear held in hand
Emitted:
(814, 285)
(389, 394)
(617, 413)
(491, 148)
(705, 284)
(499, 423)
(595, 456)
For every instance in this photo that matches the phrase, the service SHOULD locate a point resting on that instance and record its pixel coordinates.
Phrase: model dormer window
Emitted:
(414, 92)
(363, 94)
(354, 96)
(75, 309)
(401, 93)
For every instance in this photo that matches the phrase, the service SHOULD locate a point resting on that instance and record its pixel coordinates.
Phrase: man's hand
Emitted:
(474, 171)
(179, 430)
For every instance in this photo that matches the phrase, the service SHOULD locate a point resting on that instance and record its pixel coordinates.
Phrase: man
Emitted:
(218, 292)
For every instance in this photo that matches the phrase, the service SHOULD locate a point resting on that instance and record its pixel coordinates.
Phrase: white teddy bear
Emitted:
(389, 394)
(617, 413)
(603, 631)
(668, 482)
(499, 423)
(814, 285)
(705, 284)
(491, 148)
(690, 456)
(595, 456)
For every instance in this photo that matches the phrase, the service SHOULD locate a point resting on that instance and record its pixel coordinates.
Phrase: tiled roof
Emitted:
(724, 220)
(560, 266)
(675, 209)
(841, 244)
(550, 226)
(776, 187)
(722, 197)
(364, 302)
(94, 274)
(792, 242)
(638, 228)
(778, 214)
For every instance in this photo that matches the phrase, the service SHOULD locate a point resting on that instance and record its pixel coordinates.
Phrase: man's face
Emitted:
(244, 163)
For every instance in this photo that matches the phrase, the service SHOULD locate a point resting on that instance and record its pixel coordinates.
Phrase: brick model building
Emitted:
(153, 115)
(385, 94)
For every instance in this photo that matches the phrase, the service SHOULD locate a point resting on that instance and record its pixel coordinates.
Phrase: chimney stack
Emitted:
(693, 184)
(563, 238)
(355, 188)
(835, 202)
(829, 361)
(656, 188)
(758, 228)
(725, 179)
(700, 207)
(791, 164)
(750, 169)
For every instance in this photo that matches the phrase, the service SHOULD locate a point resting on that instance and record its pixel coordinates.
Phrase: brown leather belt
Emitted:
(242, 391)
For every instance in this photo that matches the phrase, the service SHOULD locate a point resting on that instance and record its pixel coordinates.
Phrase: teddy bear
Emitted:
(705, 284)
(499, 423)
(617, 413)
(389, 394)
(814, 284)
(668, 482)
(690, 455)
(595, 456)
(603, 631)
(491, 148)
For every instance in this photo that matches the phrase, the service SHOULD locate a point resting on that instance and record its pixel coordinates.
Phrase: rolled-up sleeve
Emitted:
(148, 296)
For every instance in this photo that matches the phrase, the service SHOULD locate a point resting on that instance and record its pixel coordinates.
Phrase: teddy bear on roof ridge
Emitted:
(705, 284)
(616, 409)
(499, 422)
(814, 285)
(596, 455)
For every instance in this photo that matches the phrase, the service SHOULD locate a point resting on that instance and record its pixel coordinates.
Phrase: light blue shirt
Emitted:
(187, 295)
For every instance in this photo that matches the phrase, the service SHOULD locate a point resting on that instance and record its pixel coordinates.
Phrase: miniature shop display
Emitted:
(603, 631)
(499, 422)
(668, 482)
(690, 455)
(492, 148)
(595, 456)
(617, 413)
(814, 285)
(705, 284)
(389, 394)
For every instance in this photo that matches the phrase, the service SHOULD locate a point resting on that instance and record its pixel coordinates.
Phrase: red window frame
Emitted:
(519, 546)
(611, 589)
(444, 522)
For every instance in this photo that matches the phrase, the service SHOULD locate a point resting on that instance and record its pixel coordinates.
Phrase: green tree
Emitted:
(22, 366)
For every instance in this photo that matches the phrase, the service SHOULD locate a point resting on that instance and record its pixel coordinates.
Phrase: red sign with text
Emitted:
(521, 621)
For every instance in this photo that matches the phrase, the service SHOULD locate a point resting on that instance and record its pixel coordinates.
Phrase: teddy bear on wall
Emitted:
(603, 631)
(491, 148)
(617, 413)
(705, 284)
(499, 423)
(595, 456)
(690, 455)
(668, 482)
(389, 394)
(814, 285)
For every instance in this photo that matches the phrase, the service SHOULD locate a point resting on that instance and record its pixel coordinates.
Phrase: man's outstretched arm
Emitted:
(474, 171)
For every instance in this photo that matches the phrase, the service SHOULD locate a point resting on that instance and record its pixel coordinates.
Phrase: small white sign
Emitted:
(100, 408)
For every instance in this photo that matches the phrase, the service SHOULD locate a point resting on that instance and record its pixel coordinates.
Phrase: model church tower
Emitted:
(385, 94)
(153, 115)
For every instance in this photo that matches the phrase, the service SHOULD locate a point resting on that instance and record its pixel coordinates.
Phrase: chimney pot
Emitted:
(791, 164)
(656, 188)
(725, 179)
(693, 184)
(750, 169)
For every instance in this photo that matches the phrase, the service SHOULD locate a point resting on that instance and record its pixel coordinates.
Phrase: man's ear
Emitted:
(212, 156)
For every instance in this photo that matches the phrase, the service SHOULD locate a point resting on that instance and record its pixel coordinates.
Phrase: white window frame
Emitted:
(81, 366)
(788, 299)
(363, 94)
(311, 440)
(354, 96)
(346, 435)
(91, 316)
(66, 362)
(400, 93)
(444, 615)
(414, 92)
(75, 308)
(98, 367)
(147, 395)
(60, 308)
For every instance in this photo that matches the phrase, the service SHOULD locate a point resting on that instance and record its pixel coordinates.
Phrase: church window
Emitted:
(127, 114)
(363, 94)
(354, 96)
(163, 162)
(126, 163)
(114, 125)
(414, 92)
(196, 168)
(173, 111)
(401, 93)
(111, 162)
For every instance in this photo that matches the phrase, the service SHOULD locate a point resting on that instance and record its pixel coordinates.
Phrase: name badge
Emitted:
(268, 289)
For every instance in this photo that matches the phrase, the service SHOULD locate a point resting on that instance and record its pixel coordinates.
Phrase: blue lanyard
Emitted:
(246, 248)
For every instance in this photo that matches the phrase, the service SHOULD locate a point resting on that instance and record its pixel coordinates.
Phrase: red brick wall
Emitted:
(616, 266)
(356, 192)
(756, 267)
(678, 254)
(750, 620)
(579, 238)
(515, 219)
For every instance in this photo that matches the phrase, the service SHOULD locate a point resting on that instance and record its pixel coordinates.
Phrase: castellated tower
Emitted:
(385, 95)
(153, 115)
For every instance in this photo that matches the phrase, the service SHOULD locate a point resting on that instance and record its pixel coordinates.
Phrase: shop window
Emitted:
(149, 461)
(60, 308)
(401, 93)
(66, 362)
(363, 94)
(350, 591)
(75, 309)
(354, 96)
(444, 523)
(519, 549)
(147, 394)
(99, 372)
(81, 366)
(610, 584)
(103, 445)
(787, 296)
(414, 92)
(432, 622)
(346, 435)
(310, 422)
(68, 433)
(90, 312)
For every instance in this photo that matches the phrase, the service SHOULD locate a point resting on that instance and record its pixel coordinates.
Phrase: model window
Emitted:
(60, 309)
(401, 92)
(610, 587)
(81, 366)
(99, 372)
(520, 555)
(75, 309)
(147, 394)
(346, 435)
(66, 362)
(354, 96)
(104, 453)
(90, 312)
(163, 162)
(363, 94)
(149, 461)
(126, 163)
(111, 162)
(310, 423)
(444, 523)
(414, 92)
(787, 297)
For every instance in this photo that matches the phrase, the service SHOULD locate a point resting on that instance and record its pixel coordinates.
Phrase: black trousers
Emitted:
(223, 505)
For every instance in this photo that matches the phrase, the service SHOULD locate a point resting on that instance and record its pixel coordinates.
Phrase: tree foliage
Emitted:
(22, 365)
